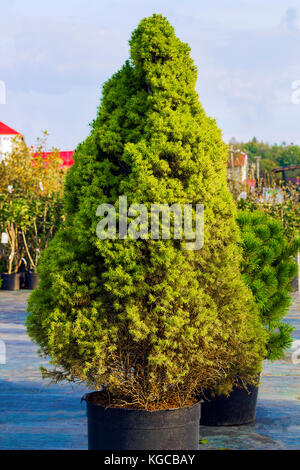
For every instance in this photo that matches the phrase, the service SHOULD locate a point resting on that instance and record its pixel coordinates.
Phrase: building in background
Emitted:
(7, 134)
(237, 166)
(288, 174)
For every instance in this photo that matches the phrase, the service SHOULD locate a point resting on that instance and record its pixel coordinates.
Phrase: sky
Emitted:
(55, 57)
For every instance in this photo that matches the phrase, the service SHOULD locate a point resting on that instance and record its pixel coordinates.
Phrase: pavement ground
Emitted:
(36, 416)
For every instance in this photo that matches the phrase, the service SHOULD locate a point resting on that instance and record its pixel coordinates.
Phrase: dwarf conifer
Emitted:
(148, 319)
(268, 268)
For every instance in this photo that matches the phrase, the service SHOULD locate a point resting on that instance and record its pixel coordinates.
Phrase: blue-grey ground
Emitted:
(34, 416)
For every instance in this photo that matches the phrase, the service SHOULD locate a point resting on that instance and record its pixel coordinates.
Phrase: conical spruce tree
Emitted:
(147, 319)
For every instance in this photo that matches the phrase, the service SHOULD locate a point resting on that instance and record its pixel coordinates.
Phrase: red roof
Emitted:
(67, 157)
(5, 130)
(238, 160)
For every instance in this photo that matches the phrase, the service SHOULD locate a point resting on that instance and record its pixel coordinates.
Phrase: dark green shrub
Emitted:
(268, 267)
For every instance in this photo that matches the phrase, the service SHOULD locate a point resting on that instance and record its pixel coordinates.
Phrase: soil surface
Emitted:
(102, 398)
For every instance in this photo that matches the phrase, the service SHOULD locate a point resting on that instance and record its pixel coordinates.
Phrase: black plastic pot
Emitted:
(130, 429)
(239, 408)
(32, 280)
(10, 281)
(22, 279)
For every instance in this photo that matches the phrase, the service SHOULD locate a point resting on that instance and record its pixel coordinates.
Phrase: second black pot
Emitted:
(10, 281)
(239, 408)
(131, 429)
(32, 280)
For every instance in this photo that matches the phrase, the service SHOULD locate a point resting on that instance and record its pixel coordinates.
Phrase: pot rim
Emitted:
(9, 274)
(85, 398)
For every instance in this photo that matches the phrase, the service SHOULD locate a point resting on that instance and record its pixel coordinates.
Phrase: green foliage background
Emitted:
(272, 155)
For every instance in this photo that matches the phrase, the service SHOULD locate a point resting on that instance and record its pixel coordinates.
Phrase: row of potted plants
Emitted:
(30, 209)
(152, 328)
(20, 280)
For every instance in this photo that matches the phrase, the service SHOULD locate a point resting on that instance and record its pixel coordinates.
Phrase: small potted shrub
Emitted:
(144, 321)
(268, 267)
(12, 211)
(11, 214)
(44, 204)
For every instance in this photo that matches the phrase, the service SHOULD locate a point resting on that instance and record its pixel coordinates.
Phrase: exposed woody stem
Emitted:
(27, 250)
(12, 239)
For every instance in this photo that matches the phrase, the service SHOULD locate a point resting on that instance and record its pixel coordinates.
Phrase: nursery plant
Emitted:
(286, 210)
(268, 267)
(146, 322)
(12, 203)
(12, 215)
(30, 201)
(45, 203)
